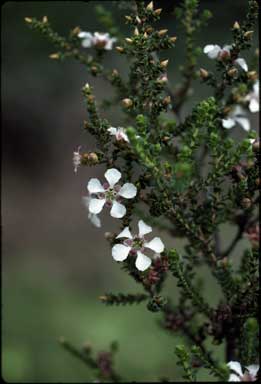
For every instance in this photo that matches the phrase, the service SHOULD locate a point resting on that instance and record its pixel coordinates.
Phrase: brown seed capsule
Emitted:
(226, 110)
(149, 30)
(158, 11)
(145, 35)
(248, 34)
(164, 63)
(166, 100)
(246, 203)
(256, 146)
(232, 72)
(173, 39)
(150, 6)
(90, 99)
(236, 25)
(28, 20)
(162, 32)
(119, 49)
(127, 103)
(203, 73)
(258, 182)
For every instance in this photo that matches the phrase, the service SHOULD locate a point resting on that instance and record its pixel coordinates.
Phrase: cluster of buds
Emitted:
(104, 363)
(89, 158)
(155, 273)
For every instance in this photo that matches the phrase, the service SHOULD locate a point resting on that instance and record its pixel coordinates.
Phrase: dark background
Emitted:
(55, 263)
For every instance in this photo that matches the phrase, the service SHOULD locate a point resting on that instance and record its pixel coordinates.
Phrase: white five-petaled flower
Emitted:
(136, 246)
(98, 40)
(214, 51)
(94, 219)
(253, 98)
(110, 194)
(250, 373)
(119, 133)
(77, 159)
(236, 116)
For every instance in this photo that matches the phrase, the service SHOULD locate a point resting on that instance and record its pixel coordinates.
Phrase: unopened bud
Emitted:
(252, 75)
(256, 146)
(76, 31)
(130, 41)
(149, 30)
(236, 25)
(108, 236)
(166, 100)
(93, 157)
(136, 31)
(226, 110)
(164, 63)
(150, 6)
(54, 56)
(127, 103)
(45, 19)
(173, 39)
(145, 35)
(94, 70)
(115, 73)
(119, 49)
(203, 73)
(248, 34)
(162, 32)
(87, 87)
(128, 18)
(28, 20)
(103, 298)
(232, 72)
(90, 99)
(158, 11)
(138, 20)
(246, 203)
(86, 125)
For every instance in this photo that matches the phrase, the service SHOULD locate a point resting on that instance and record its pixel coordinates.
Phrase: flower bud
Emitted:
(119, 49)
(138, 20)
(149, 30)
(45, 20)
(166, 100)
(248, 34)
(158, 11)
(115, 73)
(94, 70)
(136, 31)
(128, 18)
(90, 99)
(145, 35)
(162, 32)
(232, 72)
(246, 203)
(93, 157)
(127, 103)
(252, 75)
(203, 73)
(236, 25)
(173, 39)
(150, 6)
(76, 31)
(130, 41)
(28, 20)
(256, 146)
(54, 56)
(164, 63)
(108, 236)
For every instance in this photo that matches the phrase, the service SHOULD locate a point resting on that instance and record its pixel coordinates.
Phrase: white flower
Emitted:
(98, 40)
(253, 98)
(216, 52)
(136, 245)
(119, 133)
(110, 194)
(250, 373)
(87, 39)
(94, 219)
(236, 116)
(77, 159)
(103, 40)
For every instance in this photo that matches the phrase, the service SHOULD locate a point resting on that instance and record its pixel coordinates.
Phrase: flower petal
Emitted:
(253, 369)
(242, 63)
(128, 191)
(112, 176)
(142, 262)
(212, 51)
(94, 186)
(228, 123)
(244, 122)
(120, 252)
(112, 130)
(95, 220)
(117, 210)
(96, 205)
(143, 228)
(234, 377)
(155, 244)
(236, 367)
(254, 105)
(125, 233)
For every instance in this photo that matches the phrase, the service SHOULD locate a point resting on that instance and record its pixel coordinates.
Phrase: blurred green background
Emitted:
(55, 263)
